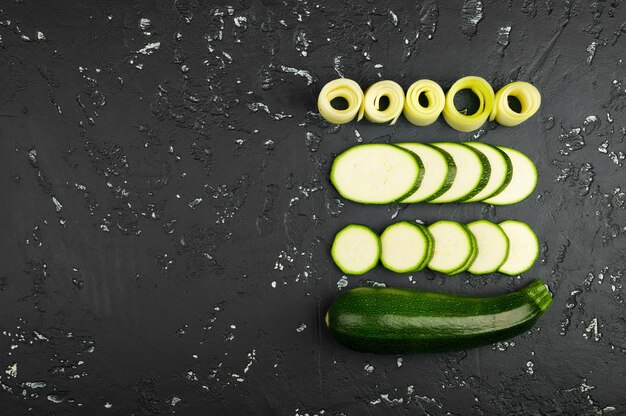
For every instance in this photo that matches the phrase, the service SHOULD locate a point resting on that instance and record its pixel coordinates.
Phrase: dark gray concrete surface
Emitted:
(166, 214)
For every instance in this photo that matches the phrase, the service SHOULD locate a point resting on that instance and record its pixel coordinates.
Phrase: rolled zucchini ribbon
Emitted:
(463, 122)
(371, 103)
(528, 96)
(414, 111)
(341, 88)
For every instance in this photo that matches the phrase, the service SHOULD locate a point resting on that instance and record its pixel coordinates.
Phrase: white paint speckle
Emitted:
(193, 204)
(57, 204)
(299, 72)
(503, 35)
(343, 282)
(150, 48)
(394, 17)
(40, 337)
(35, 384)
(359, 138)
(240, 20)
(254, 107)
(144, 23)
(251, 360)
(11, 370)
(592, 331)
(584, 387)
(55, 399)
(591, 50)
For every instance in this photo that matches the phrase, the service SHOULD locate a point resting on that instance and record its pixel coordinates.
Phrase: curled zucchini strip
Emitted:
(414, 111)
(528, 96)
(463, 122)
(371, 103)
(344, 88)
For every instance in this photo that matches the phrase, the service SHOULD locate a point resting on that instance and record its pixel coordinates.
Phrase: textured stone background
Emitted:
(167, 216)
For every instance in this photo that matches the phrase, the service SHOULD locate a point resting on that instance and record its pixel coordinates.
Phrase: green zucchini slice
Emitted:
(493, 247)
(523, 181)
(471, 258)
(356, 249)
(472, 172)
(523, 247)
(376, 173)
(439, 172)
(454, 247)
(501, 170)
(406, 247)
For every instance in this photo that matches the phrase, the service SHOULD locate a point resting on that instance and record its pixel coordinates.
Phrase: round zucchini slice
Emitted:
(376, 173)
(406, 247)
(523, 181)
(454, 247)
(472, 172)
(439, 172)
(356, 249)
(501, 170)
(492, 244)
(523, 247)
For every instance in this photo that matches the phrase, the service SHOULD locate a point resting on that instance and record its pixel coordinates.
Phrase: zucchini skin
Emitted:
(395, 321)
(420, 175)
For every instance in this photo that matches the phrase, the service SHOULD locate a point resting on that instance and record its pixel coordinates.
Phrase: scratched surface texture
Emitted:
(166, 213)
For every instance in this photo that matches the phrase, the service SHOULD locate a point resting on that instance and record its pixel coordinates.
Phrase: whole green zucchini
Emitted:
(388, 320)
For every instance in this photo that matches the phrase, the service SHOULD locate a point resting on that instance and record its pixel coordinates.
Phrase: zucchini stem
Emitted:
(538, 291)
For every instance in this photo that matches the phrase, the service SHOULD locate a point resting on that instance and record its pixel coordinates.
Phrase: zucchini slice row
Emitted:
(425, 101)
(436, 173)
(447, 247)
